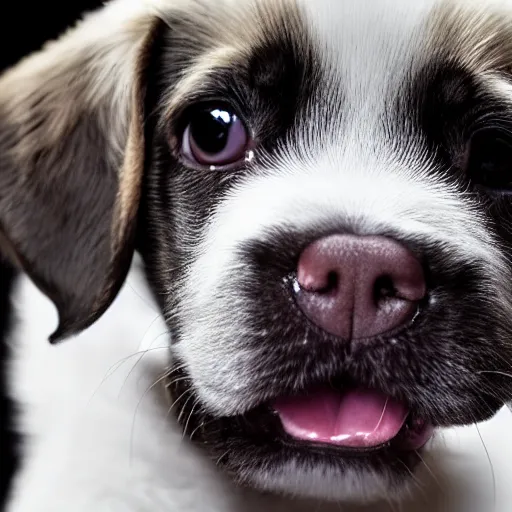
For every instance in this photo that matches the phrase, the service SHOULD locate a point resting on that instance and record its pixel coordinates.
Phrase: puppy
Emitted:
(321, 195)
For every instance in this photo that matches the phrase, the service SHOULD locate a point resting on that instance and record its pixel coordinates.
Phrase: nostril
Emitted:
(384, 288)
(332, 282)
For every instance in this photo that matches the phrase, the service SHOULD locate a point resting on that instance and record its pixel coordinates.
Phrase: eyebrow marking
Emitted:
(195, 79)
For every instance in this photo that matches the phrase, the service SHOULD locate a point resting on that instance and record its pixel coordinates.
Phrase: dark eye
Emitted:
(489, 160)
(214, 136)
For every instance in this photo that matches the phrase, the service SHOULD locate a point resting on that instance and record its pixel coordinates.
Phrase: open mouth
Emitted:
(356, 420)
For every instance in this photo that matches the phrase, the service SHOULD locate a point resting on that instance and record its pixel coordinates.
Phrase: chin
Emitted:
(336, 442)
(329, 444)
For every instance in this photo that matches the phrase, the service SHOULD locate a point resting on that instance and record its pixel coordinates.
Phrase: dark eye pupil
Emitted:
(490, 161)
(210, 129)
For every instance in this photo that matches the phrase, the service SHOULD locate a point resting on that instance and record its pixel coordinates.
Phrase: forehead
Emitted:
(364, 50)
(368, 43)
(370, 49)
(378, 36)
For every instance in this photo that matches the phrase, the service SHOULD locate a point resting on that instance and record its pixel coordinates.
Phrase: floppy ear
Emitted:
(71, 160)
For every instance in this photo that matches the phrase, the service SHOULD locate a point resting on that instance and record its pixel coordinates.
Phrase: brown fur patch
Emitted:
(246, 26)
(68, 203)
(477, 37)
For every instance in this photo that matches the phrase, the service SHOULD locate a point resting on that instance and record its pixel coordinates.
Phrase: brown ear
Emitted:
(71, 161)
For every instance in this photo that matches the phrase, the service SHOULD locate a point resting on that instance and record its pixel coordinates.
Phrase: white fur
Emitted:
(99, 438)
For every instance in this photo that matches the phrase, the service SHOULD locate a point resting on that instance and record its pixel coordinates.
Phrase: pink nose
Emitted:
(359, 287)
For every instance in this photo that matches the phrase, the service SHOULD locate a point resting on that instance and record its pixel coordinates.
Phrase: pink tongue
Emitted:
(355, 418)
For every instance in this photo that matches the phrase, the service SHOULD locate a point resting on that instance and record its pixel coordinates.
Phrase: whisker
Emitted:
(491, 466)
(221, 457)
(170, 371)
(494, 393)
(143, 353)
(496, 372)
(203, 424)
(414, 479)
(175, 381)
(197, 402)
(146, 302)
(119, 363)
(132, 429)
(184, 406)
(429, 469)
(116, 367)
(189, 390)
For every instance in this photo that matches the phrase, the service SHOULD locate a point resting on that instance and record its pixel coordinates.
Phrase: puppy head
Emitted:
(325, 202)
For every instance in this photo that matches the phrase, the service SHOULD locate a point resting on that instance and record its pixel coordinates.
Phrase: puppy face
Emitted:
(325, 208)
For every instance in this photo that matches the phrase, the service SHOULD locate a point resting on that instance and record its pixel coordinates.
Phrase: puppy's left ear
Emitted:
(71, 161)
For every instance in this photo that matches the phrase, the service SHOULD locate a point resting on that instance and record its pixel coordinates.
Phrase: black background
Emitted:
(24, 27)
